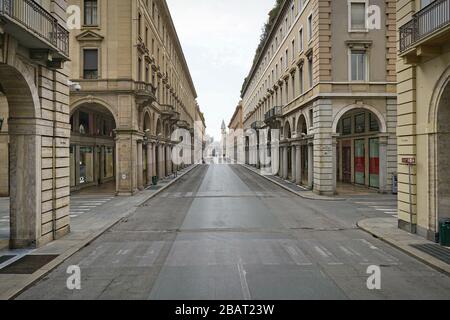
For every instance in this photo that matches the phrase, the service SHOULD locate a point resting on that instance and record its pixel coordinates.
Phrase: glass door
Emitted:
(374, 169)
(360, 162)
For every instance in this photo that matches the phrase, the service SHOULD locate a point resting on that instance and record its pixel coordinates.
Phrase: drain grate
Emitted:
(3, 259)
(28, 264)
(435, 250)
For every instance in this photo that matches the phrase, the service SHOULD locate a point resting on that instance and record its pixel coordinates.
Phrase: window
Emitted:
(425, 3)
(293, 49)
(90, 64)
(358, 65)
(287, 58)
(360, 123)
(139, 69)
(301, 79)
(347, 126)
(310, 71)
(90, 12)
(374, 126)
(358, 16)
(300, 43)
(310, 26)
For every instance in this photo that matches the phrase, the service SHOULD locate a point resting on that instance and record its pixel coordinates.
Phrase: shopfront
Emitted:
(358, 149)
(92, 147)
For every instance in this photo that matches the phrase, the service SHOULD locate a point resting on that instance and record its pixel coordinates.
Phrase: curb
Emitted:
(292, 191)
(45, 270)
(430, 261)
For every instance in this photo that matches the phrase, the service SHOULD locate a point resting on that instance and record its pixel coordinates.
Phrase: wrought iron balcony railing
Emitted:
(36, 20)
(430, 19)
(273, 113)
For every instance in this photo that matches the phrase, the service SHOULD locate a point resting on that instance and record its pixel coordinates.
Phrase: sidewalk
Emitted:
(292, 187)
(84, 231)
(386, 229)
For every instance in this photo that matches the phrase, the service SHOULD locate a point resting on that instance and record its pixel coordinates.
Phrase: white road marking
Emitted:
(243, 278)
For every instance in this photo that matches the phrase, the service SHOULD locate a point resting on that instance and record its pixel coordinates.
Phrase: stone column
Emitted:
(140, 166)
(383, 143)
(126, 161)
(298, 172)
(280, 163)
(154, 160)
(149, 163)
(285, 163)
(294, 163)
(25, 190)
(334, 162)
(310, 165)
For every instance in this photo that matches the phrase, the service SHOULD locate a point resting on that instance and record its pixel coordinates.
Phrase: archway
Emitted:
(288, 161)
(21, 162)
(357, 155)
(302, 133)
(92, 149)
(443, 154)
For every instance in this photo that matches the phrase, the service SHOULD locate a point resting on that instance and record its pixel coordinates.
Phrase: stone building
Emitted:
(424, 114)
(34, 119)
(325, 77)
(136, 89)
(236, 126)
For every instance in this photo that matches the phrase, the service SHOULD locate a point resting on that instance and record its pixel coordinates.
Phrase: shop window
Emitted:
(86, 165)
(109, 162)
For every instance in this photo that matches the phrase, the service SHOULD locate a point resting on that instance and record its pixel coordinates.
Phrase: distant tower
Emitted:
(224, 139)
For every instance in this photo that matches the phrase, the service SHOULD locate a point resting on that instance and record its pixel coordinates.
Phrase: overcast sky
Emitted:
(219, 39)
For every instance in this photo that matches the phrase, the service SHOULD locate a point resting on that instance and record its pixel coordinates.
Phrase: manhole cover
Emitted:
(28, 264)
(3, 259)
(435, 250)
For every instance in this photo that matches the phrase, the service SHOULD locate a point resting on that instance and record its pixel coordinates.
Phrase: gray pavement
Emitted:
(223, 232)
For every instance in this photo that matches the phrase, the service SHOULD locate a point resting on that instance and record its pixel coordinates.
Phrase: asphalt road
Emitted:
(223, 232)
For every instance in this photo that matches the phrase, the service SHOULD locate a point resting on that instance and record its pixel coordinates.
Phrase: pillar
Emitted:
(298, 171)
(310, 165)
(285, 163)
(294, 164)
(140, 166)
(334, 163)
(126, 160)
(383, 144)
(149, 163)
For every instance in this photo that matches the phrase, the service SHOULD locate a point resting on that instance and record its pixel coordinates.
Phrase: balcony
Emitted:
(144, 92)
(257, 125)
(35, 28)
(427, 31)
(273, 114)
(169, 113)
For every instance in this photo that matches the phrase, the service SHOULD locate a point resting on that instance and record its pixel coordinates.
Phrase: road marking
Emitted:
(321, 252)
(243, 278)
(73, 215)
(294, 254)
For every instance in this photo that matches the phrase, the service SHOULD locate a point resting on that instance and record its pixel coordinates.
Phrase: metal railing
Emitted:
(428, 20)
(31, 15)
(274, 112)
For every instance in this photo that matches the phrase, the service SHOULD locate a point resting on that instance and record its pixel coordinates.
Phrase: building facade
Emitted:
(236, 126)
(34, 119)
(136, 90)
(423, 114)
(326, 78)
